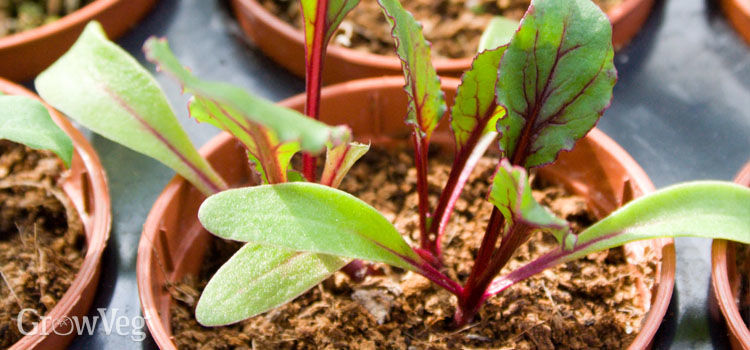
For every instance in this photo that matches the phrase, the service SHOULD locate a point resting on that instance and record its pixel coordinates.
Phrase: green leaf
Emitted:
(555, 80)
(271, 157)
(426, 100)
(287, 125)
(498, 33)
(257, 279)
(306, 217)
(339, 160)
(475, 111)
(26, 120)
(511, 194)
(710, 209)
(335, 13)
(105, 89)
(271, 133)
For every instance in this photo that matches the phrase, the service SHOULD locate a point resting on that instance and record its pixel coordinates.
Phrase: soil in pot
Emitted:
(41, 248)
(590, 303)
(452, 26)
(21, 15)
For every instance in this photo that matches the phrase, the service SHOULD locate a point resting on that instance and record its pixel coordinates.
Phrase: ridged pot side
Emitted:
(24, 55)
(285, 44)
(725, 282)
(173, 242)
(86, 186)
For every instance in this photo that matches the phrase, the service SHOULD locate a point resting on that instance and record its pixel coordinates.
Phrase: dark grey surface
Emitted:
(681, 108)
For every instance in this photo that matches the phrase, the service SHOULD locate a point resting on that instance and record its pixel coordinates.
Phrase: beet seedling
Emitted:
(536, 96)
(539, 94)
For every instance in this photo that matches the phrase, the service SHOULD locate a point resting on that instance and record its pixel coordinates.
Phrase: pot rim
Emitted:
(163, 338)
(616, 15)
(721, 287)
(83, 14)
(96, 215)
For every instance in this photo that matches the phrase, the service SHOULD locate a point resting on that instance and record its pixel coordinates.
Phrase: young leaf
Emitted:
(271, 133)
(339, 160)
(473, 120)
(498, 33)
(426, 100)
(511, 194)
(334, 11)
(710, 209)
(25, 120)
(105, 89)
(306, 217)
(257, 279)
(321, 18)
(475, 111)
(556, 79)
(271, 158)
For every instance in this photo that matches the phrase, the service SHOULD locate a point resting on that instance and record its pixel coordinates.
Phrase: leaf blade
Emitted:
(105, 89)
(511, 194)
(708, 209)
(556, 79)
(257, 279)
(474, 112)
(286, 124)
(26, 121)
(306, 217)
(335, 13)
(339, 160)
(426, 99)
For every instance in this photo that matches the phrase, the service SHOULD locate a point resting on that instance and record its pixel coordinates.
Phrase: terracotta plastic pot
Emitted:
(738, 12)
(285, 44)
(24, 55)
(725, 282)
(86, 186)
(173, 242)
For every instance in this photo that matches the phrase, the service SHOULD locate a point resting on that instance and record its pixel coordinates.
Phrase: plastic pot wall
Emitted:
(24, 55)
(285, 44)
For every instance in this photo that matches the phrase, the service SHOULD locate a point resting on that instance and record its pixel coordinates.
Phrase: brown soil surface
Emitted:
(452, 26)
(40, 249)
(21, 15)
(590, 303)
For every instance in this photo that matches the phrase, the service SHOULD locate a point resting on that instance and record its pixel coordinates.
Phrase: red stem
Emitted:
(463, 164)
(314, 69)
(482, 275)
(420, 159)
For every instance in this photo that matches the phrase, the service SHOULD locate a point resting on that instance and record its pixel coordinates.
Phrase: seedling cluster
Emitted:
(534, 97)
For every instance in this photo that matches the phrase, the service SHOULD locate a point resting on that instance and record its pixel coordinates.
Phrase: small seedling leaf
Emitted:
(257, 279)
(26, 120)
(339, 160)
(511, 194)
(335, 12)
(287, 124)
(426, 100)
